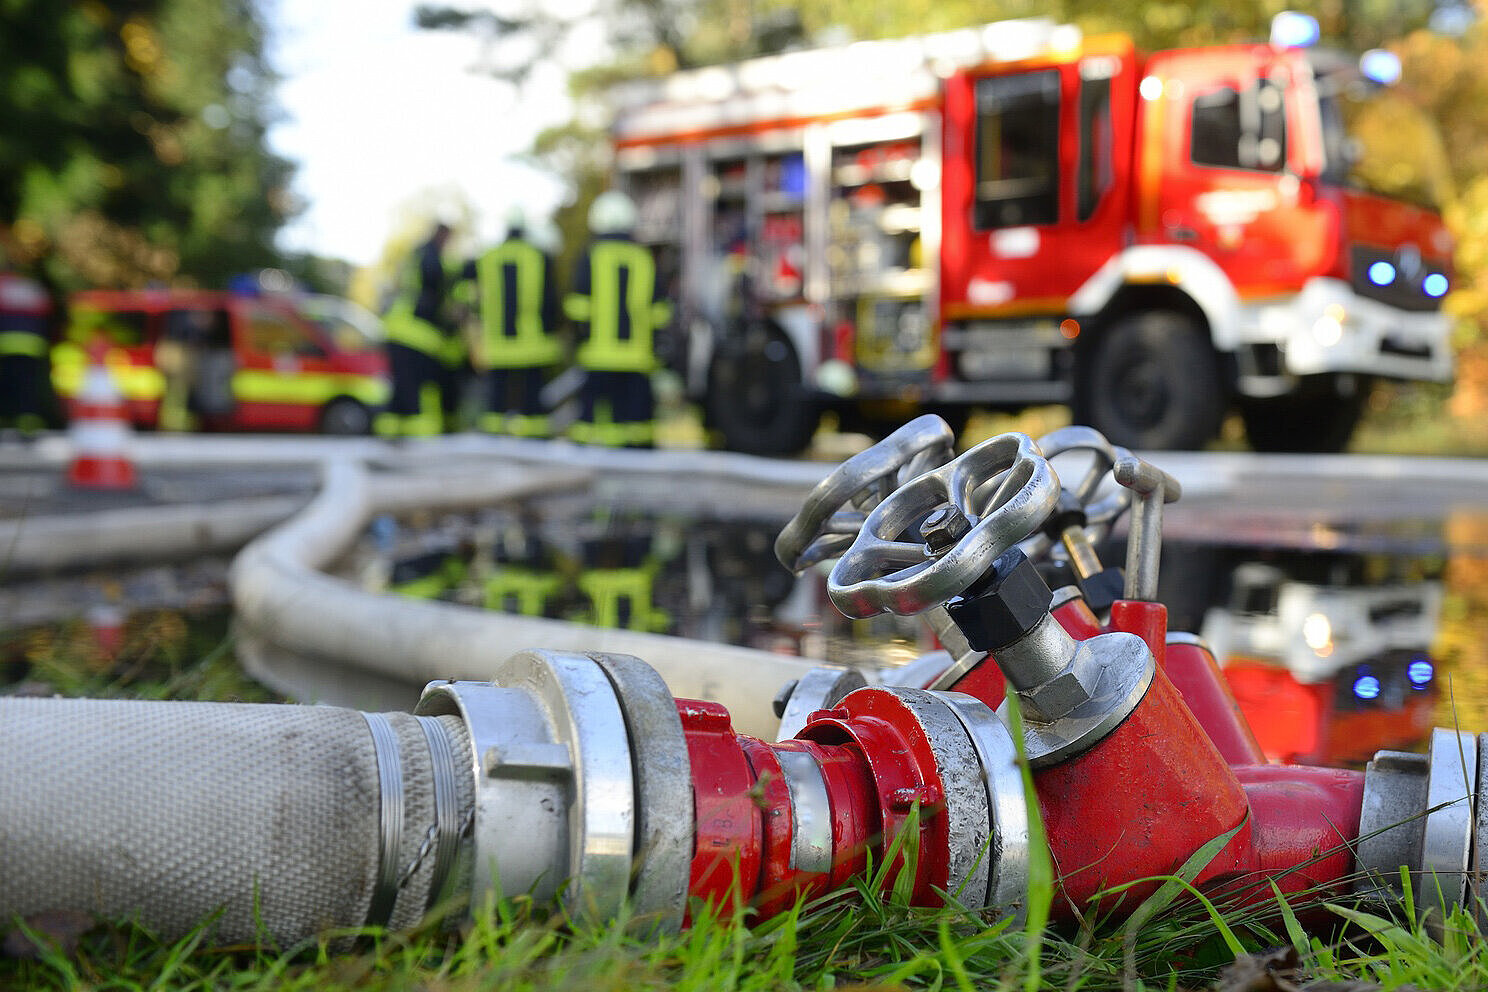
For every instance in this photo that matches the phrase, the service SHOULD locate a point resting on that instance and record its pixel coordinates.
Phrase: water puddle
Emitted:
(1337, 642)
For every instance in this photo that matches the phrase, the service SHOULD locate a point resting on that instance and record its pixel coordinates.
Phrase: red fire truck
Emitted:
(1016, 215)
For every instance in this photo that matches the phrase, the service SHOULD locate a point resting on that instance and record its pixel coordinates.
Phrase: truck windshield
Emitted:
(1377, 141)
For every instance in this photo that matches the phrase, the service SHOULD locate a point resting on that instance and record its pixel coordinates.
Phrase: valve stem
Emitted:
(1151, 487)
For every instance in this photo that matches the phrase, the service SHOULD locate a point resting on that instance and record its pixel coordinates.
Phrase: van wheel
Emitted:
(1151, 380)
(756, 398)
(1322, 420)
(345, 417)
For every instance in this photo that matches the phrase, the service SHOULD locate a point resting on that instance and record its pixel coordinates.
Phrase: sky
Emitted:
(383, 118)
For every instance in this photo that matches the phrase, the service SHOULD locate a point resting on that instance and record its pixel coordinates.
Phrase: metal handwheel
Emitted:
(1101, 514)
(968, 512)
(834, 512)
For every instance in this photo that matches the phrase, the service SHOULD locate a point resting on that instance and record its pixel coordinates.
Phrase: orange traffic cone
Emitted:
(99, 430)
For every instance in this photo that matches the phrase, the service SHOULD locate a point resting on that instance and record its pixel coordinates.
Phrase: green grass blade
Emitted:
(1040, 865)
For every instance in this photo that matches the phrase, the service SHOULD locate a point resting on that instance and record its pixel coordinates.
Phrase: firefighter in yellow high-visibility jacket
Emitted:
(421, 343)
(518, 305)
(25, 315)
(617, 310)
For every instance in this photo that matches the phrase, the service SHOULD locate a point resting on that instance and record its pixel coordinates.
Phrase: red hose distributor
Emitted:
(1134, 774)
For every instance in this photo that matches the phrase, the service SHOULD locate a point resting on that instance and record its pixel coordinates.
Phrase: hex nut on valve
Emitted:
(1071, 688)
(943, 528)
(1007, 604)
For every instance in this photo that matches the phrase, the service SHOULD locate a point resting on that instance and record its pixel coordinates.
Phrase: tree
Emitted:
(133, 149)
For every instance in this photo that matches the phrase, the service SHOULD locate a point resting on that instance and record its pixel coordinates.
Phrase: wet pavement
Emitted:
(45, 491)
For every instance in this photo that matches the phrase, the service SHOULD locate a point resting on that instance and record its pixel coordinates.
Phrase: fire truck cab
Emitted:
(1017, 215)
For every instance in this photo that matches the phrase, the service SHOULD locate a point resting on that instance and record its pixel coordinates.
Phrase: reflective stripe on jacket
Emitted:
(32, 344)
(414, 318)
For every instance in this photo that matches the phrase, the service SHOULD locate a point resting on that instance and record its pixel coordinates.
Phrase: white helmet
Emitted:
(516, 217)
(545, 234)
(612, 212)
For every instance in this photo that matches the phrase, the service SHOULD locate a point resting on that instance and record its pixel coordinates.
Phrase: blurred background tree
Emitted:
(132, 150)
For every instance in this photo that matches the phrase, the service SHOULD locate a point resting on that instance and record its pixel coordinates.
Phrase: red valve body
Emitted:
(1197, 677)
(876, 765)
(1138, 803)
(1179, 771)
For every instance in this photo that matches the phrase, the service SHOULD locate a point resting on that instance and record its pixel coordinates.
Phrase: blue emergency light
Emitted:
(1380, 66)
(1367, 687)
(1292, 29)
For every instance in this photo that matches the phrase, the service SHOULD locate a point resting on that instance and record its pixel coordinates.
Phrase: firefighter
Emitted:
(617, 310)
(25, 310)
(423, 345)
(518, 314)
(618, 584)
(524, 577)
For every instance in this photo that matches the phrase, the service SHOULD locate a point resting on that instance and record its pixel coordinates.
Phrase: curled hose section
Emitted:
(273, 822)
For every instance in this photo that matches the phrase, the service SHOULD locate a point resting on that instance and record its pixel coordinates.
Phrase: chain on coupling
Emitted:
(595, 788)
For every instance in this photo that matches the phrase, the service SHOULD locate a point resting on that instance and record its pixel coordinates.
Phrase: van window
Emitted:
(205, 327)
(1017, 150)
(122, 328)
(1240, 129)
(273, 333)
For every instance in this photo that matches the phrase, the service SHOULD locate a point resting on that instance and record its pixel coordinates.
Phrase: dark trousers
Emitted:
(515, 391)
(22, 391)
(617, 408)
(415, 374)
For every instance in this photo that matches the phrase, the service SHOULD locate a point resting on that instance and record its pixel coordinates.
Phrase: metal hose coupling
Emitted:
(596, 789)
(1426, 812)
(581, 774)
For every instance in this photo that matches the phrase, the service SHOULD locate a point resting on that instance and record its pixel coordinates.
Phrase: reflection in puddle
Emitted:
(1333, 652)
(1327, 652)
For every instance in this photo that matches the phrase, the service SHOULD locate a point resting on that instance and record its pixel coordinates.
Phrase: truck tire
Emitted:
(345, 417)
(1320, 420)
(756, 399)
(1151, 380)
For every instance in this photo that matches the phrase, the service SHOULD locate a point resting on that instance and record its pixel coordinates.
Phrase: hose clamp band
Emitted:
(390, 820)
(811, 812)
(447, 825)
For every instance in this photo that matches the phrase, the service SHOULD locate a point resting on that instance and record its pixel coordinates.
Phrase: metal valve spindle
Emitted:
(1153, 487)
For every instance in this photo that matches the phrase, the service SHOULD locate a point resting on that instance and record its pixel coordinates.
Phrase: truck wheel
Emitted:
(1151, 380)
(1319, 421)
(345, 417)
(756, 398)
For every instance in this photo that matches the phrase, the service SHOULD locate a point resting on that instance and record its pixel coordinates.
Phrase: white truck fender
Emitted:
(804, 331)
(1183, 268)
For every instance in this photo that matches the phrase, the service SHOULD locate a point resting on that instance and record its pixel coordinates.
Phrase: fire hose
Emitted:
(577, 779)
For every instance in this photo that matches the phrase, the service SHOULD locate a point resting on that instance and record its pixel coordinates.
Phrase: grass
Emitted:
(858, 939)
